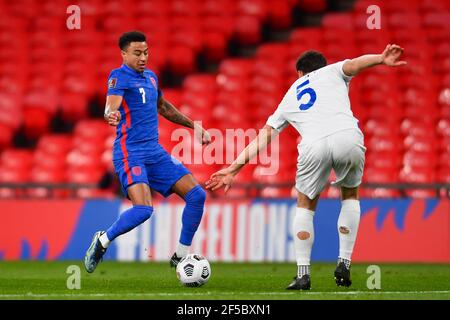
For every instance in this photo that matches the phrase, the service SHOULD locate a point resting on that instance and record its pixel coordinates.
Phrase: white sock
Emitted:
(104, 240)
(302, 270)
(347, 225)
(303, 235)
(182, 250)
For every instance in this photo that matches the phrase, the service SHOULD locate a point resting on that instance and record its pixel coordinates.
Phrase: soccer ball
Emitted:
(193, 270)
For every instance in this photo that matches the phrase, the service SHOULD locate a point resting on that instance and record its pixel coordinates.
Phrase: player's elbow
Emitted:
(350, 68)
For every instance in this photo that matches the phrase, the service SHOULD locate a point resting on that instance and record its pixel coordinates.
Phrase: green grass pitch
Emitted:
(229, 281)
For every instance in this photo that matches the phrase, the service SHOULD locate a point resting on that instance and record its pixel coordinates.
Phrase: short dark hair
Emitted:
(310, 60)
(128, 37)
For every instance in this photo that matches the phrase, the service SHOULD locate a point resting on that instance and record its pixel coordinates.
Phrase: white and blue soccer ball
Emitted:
(193, 270)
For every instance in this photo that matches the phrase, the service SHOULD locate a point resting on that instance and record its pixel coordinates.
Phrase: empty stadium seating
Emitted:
(404, 113)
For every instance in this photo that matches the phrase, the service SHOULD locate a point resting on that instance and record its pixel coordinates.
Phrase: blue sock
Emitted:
(128, 220)
(192, 214)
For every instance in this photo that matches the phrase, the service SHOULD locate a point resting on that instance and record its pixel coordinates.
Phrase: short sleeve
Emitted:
(339, 69)
(160, 94)
(117, 83)
(277, 121)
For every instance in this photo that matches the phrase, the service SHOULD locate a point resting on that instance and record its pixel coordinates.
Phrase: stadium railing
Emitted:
(240, 190)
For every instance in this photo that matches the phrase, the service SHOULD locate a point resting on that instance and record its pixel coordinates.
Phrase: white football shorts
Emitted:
(343, 151)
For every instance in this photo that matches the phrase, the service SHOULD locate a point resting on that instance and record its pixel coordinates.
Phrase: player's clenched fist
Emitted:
(113, 118)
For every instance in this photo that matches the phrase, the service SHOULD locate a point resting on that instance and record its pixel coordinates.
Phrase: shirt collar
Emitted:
(130, 70)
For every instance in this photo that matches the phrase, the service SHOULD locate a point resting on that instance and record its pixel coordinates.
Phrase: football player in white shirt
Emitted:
(318, 106)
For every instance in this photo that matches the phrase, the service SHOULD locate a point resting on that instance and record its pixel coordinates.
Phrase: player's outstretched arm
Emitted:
(168, 111)
(112, 114)
(225, 177)
(388, 57)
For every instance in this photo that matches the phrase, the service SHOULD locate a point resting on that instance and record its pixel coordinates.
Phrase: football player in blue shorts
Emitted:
(132, 104)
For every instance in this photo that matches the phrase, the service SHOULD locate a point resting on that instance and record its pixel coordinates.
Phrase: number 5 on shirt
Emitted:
(310, 91)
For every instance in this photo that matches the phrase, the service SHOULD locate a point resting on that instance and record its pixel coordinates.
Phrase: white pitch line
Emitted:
(74, 295)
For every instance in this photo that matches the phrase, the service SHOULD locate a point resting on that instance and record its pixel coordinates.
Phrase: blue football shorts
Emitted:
(159, 175)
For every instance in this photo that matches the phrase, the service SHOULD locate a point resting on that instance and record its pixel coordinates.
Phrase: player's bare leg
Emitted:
(194, 195)
(348, 223)
(140, 194)
(303, 240)
(142, 210)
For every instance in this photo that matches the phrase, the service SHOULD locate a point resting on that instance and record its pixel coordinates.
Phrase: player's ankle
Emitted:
(303, 269)
(104, 241)
(347, 262)
(182, 250)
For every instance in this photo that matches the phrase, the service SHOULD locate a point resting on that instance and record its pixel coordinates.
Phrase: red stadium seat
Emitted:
(16, 159)
(307, 37)
(415, 159)
(200, 83)
(182, 8)
(248, 30)
(443, 127)
(444, 175)
(417, 128)
(434, 5)
(236, 67)
(74, 106)
(445, 144)
(223, 24)
(379, 112)
(49, 161)
(379, 193)
(181, 59)
(312, 6)
(6, 135)
(405, 20)
(14, 175)
(388, 161)
(277, 192)
(36, 122)
(217, 7)
(43, 175)
(437, 20)
(417, 175)
(151, 8)
(92, 129)
(279, 14)
(338, 21)
(420, 144)
(398, 7)
(384, 144)
(215, 46)
(444, 98)
(343, 37)
(272, 51)
(190, 38)
(56, 144)
(255, 8)
(87, 175)
(174, 96)
(374, 175)
(422, 193)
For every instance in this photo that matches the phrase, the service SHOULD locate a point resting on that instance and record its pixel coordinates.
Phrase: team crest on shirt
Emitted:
(112, 83)
(153, 82)
(136, 171)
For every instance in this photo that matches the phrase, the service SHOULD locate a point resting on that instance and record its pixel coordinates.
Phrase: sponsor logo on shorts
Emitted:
(136, 171)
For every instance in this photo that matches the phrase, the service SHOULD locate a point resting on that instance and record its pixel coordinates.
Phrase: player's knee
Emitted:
(196, 196)
(303, 235)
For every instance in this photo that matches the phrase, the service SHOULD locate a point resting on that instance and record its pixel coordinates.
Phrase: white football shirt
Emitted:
(316, 104)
